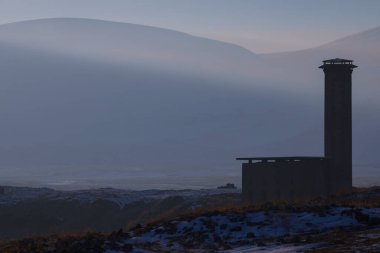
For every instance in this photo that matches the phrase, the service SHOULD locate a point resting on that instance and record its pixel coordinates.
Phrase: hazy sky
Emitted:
(260, 25)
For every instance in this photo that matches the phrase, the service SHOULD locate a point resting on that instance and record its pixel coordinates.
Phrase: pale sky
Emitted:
(259, 25)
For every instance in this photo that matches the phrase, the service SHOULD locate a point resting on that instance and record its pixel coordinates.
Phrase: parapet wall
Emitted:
(284, 180)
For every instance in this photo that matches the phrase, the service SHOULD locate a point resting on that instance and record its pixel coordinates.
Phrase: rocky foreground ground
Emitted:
(349, 223)
(28, 211)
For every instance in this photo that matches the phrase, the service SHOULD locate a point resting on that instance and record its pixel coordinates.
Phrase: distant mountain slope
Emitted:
(82, 96)
(364, 49)
(361, 44)
(115, 42)
(66, 116)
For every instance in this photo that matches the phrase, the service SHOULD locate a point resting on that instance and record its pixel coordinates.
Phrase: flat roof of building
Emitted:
(281, 158)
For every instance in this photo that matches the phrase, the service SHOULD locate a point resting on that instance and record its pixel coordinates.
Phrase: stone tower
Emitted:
(338, 124)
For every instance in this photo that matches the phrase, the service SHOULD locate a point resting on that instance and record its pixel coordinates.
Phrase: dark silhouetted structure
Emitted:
(338, 123)
(301, 178)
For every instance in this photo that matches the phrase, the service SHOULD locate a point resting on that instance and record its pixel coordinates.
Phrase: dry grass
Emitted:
(52, 243)
(360, 198)
(89, 241)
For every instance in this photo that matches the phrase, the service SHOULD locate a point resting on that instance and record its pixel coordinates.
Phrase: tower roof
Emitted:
(338, 61)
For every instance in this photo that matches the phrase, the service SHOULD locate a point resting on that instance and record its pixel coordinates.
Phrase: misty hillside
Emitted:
(120, 43)
(91, 96)
(363, 48)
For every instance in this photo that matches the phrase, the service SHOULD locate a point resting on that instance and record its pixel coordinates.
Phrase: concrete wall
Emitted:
(284, 180)
(338, 126)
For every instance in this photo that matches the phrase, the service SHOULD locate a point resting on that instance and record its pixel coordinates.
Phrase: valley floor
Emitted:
(348, 223)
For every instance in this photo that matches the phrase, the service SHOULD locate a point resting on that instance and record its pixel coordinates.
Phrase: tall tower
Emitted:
(338, 123)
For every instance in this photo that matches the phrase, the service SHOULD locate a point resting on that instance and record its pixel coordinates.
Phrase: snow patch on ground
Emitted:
(236, 229)
(372, 212)
(271, 249)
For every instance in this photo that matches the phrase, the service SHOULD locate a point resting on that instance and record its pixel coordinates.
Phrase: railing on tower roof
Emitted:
(338, 61)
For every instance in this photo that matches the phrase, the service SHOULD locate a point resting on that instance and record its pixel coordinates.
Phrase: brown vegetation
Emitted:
(172, 210)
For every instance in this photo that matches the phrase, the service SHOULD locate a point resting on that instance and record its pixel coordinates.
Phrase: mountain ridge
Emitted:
(369, 31)
(120, 23)
(125, 43)
(208, 105)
